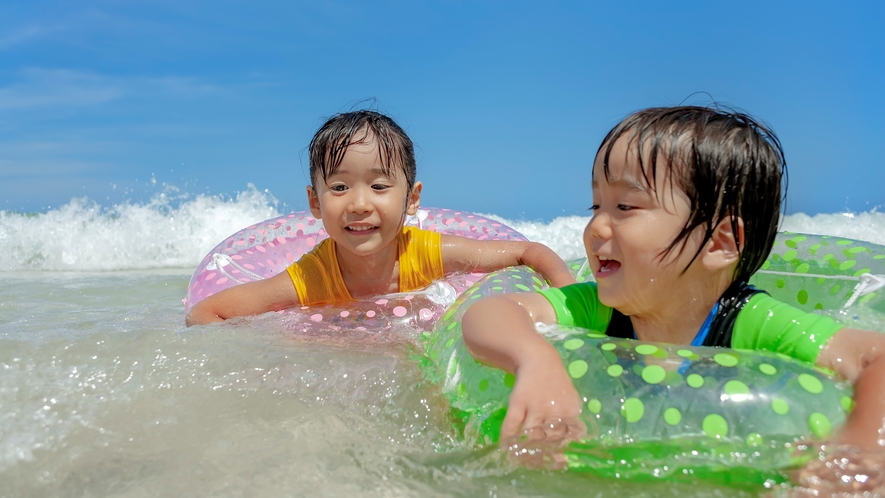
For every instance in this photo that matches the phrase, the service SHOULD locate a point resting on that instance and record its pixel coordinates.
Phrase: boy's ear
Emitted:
(723, 248)
(314, 202)
(414, 199)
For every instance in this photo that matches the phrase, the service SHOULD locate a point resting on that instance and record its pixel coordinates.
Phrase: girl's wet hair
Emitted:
(726, 162)
(330, 143)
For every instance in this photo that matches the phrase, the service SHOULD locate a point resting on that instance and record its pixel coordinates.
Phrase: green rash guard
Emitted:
(763, 323)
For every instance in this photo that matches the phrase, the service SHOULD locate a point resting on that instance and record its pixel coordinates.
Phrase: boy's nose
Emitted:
(598, 228)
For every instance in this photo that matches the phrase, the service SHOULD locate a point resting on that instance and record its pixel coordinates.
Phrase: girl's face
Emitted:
(362, 208)
(631, 228)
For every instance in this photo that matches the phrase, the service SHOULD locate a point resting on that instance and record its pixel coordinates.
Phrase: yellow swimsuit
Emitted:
(318, 280)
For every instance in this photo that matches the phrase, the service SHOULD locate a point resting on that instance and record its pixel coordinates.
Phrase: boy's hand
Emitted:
(545, 400)
(848, 471)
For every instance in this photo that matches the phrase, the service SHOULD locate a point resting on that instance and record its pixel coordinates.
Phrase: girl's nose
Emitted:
(359, 202)
(599, 226)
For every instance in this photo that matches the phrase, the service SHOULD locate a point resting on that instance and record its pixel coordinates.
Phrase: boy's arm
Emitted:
(500, 331)
(859, 357)
(251, 298)
(461, 254)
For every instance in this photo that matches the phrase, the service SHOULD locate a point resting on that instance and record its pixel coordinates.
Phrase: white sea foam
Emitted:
(175, 230)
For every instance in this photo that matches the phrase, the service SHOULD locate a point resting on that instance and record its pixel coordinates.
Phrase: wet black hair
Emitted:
(330, 143)
(727, 163)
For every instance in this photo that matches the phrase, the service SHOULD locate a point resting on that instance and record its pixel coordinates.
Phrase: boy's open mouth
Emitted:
(360, 228)
(607, 266)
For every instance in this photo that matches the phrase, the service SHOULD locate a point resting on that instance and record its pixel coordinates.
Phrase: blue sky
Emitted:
(506, 101)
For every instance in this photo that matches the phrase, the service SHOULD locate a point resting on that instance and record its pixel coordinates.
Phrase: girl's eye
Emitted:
(338, 188)
(379, 186)
(623, 207)
(593, 207)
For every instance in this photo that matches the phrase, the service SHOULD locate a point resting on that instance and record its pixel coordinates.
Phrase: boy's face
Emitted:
(632, 226)
(362, 208)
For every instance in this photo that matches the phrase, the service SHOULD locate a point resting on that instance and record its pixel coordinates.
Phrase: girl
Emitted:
(362, 171)
(686, 207)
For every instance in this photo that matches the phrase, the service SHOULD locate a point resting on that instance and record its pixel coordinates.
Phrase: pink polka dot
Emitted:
(370, 313)
(236, 257)
(317, 317)
(311, 241)
(289, 257)
(261, 248)
(210, 276)
(409, 297)
(425, 314)
(448, 221)
(248, 266)
(304, 307)
(270, 244)
(281, 240)
(381, 302)
(400, 311)
(361, 329)
(221, 281)
(344, 314)
(300, 226)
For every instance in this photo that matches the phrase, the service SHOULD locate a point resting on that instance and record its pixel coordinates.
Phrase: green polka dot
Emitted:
(835, 289)
(632, 410)
(847, 403)
(450, 342)
(766, 265)
(476, 296)
(483, 385)
(819, 424)
(802, 296)
(573, 344)
(608, 346)
(694, 380)
(813, 249)
(798, 238)
(615, 370)
(803, 268)
(790, 255)
(653, 374)
(596, 335)
(725, 359)
(780, 406)
(509, 380)
(780, 283)
(811, 383)
(767, 369)
(735, 387)
(522, 287)
(637, 369)
(646, 349)
(594, 405)
(855, 250)
(847, 265)
(754, 439)
(790, 243)
(672, 416)
(577, 368)
(879, 256)
(715, 426)
(451, 325)
(685, 353)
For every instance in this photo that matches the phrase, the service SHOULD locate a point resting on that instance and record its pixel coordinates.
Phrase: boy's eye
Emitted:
(593, 207)
(379, 186)
(338, 188)
(623, 207)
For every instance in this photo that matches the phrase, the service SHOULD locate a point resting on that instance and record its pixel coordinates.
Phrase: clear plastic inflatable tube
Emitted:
(661, 411)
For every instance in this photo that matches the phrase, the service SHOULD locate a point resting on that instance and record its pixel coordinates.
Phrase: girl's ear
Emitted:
(314, 202)
(723, 248)
(414, 199)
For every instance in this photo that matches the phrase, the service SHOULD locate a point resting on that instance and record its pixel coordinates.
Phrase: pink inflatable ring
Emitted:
(268, 248)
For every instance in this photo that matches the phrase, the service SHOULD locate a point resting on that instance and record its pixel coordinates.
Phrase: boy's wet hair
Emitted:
(726, 162)
(330, 143)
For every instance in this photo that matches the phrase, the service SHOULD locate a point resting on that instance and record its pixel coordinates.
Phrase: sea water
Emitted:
(104, 392)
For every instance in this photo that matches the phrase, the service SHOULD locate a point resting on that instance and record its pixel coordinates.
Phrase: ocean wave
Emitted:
(175, 230)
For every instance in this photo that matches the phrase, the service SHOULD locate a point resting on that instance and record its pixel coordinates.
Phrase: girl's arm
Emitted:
(500, 331)
(251, 298)
(859, 357)
(461, 254)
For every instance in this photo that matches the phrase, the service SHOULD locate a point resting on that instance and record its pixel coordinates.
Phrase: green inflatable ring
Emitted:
(678, 412)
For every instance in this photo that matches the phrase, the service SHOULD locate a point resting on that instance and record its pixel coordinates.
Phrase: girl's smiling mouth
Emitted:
(361, 229)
